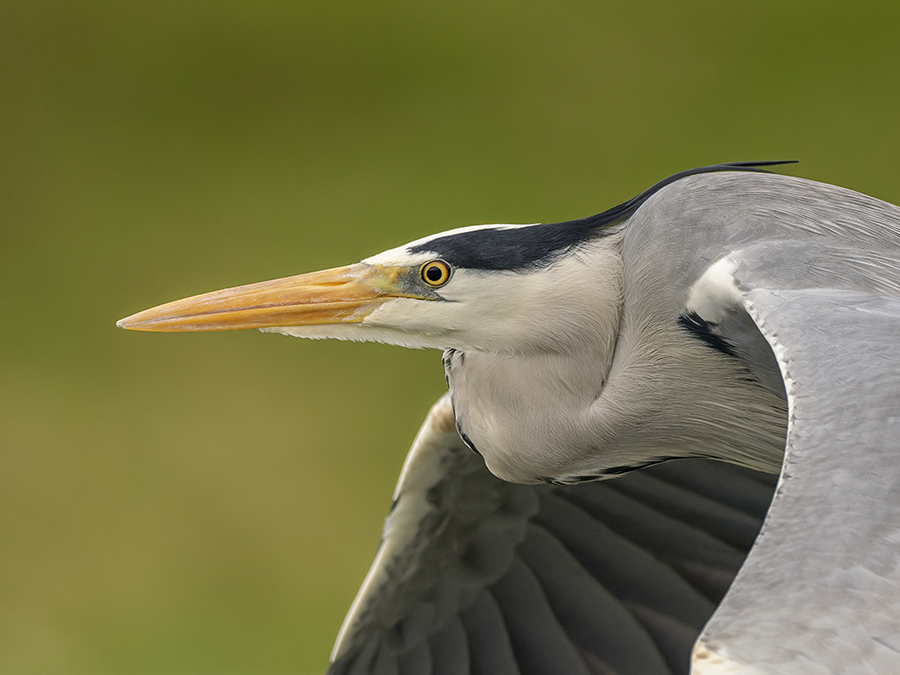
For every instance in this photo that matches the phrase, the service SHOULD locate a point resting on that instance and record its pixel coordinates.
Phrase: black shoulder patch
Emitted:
(524, 248)
(701, 329)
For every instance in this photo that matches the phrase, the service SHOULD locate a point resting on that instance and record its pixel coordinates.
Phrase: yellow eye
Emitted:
(435, 273)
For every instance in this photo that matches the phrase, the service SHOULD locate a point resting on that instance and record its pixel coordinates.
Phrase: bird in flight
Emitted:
(724, 345)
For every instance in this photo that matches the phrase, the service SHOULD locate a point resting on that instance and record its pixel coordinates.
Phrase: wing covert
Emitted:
(820, 591)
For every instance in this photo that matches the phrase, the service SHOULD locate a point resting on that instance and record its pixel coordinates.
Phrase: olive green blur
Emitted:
(209, 503)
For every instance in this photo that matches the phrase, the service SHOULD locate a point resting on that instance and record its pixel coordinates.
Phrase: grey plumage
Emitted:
(730, 315)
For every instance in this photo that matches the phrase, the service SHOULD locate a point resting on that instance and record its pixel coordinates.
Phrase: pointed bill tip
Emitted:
(134, 322)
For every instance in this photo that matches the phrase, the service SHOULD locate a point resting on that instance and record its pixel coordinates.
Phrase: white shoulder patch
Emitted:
(715, 294)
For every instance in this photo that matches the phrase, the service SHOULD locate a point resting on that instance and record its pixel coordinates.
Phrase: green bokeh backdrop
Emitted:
(209, 503)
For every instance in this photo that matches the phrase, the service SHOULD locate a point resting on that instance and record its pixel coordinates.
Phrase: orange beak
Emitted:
(339, 295)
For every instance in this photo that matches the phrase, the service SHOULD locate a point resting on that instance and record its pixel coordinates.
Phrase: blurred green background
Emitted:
(209, 503)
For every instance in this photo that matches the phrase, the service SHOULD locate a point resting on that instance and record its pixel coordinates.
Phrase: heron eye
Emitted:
(436, 273)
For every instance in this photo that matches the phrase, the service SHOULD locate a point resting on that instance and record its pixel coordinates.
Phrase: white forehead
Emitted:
(403, 256)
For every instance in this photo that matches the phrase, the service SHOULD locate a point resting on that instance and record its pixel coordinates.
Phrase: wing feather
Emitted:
(450, 649)
(725, 522)
(489, 644)
(416, 660)
(631, 573)
(820, 592)
(475, 575)
(595, 620)
(540, 642)
(657, 531)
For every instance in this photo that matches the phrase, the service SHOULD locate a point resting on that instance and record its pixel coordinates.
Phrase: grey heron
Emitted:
(726, 313)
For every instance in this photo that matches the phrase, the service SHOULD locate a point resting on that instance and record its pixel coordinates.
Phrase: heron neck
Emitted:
(526, 414)
(585, 414)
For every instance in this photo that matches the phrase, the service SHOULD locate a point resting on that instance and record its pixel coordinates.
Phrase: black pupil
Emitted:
(434, 273)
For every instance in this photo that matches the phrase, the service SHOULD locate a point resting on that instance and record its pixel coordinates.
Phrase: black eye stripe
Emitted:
(533, 246)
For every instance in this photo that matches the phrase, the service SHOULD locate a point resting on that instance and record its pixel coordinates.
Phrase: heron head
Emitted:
(496, 288)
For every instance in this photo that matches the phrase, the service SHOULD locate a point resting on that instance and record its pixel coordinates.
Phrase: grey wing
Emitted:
(820, 591)
(475, 575)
